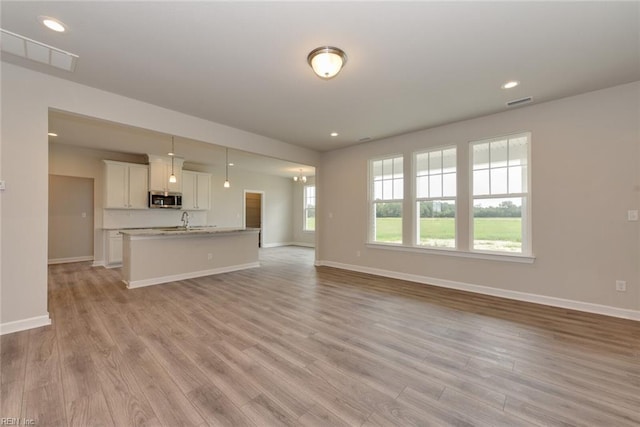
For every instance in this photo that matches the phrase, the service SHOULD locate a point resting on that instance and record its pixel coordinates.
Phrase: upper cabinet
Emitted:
(160, 169)
(126, 185)
(196, 191)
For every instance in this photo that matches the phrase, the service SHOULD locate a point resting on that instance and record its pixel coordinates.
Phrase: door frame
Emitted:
(244, 213)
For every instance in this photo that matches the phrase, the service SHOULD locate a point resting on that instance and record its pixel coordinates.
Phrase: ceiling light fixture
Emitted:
(52, 24)
(226, 163)
(327, 61)
(52, 134)
(300, 178)
(334, 133)
(172, 177)
(511, 84)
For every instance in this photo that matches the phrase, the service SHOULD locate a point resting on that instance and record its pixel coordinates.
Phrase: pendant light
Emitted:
(226, 164)
(172, 177)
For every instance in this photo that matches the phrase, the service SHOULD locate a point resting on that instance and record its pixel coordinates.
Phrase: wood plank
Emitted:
(45, 405)
(217, 409)
(291, 344)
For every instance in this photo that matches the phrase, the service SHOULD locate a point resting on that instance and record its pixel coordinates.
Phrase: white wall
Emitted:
(227, 204)
(27, 97)
(86, 163)
(585, 176)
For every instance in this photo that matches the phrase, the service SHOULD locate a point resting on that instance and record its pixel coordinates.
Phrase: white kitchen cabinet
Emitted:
(159, 172)
(126, 185)
(196, 191)
(114, 248)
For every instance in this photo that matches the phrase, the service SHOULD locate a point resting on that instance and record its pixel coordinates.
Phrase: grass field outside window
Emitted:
(492, 234)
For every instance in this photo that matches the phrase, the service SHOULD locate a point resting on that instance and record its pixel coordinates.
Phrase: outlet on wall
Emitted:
(209, 257)
(621, 286)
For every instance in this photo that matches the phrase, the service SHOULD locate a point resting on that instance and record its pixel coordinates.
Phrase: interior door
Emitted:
(253, 213)
(70, 218)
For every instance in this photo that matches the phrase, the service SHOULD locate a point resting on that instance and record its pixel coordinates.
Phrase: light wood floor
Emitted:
(289, 344)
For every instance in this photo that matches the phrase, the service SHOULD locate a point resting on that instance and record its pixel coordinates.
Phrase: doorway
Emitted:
(253, 214)
(70, 219)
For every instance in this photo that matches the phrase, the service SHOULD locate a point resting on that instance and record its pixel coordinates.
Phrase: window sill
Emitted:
(309, 231)
(523, 259)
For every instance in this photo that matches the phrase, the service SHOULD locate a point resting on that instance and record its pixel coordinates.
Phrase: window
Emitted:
(309, 208)
(436, 198)
(387, 181)
(500, 195)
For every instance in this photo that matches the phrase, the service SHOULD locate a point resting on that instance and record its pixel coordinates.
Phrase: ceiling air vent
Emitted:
(520, 101)
(24, 47)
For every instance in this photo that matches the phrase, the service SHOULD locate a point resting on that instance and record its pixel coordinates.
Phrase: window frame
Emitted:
(372, 202)
(305, 208)
(526, 219)
(416, 199)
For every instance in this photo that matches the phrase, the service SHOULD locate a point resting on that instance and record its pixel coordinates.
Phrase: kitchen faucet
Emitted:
(185, 222)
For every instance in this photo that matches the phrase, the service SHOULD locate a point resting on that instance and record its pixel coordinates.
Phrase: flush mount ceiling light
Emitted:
(334, 133)
(300, 178)
(327, 61)
(511, 84)
(52, 24)
(52, 134)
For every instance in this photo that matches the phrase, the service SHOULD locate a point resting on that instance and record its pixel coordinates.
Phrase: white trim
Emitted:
(113, 265)
(24, 324)
(189, 275)
(71, 259)
(305, 244)
(491, 256)
(277, 244)
(487, 290)
(100, 263)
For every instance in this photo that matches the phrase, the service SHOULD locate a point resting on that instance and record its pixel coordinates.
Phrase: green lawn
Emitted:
(442, 230)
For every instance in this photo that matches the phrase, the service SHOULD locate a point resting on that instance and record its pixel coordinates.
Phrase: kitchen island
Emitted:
(154, 256)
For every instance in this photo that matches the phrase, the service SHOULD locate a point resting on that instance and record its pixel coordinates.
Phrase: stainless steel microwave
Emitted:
(162, 200)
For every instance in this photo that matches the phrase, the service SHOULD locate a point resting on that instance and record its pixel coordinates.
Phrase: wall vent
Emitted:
(24, 47)
(520, 101)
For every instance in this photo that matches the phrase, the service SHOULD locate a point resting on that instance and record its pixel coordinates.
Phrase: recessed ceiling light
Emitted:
(231, 164)
(334, 133)
(52, 134)
(511, 84)
(171, 154)
(52, 24)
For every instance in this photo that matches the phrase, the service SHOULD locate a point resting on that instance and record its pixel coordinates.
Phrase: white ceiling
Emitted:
(412, 65)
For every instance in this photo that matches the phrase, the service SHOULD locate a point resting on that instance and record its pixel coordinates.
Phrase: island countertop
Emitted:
(182, 231)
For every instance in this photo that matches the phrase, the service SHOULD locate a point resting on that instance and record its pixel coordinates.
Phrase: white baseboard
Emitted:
(276, 245)
(24, 324)
(487, 290)
(303, 244)
(100, 263)
(191, 275)
(115, 265)
(72, 259)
